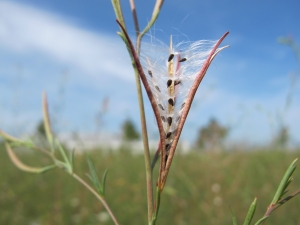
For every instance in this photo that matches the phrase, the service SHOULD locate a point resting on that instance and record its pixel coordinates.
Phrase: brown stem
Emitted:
(272, 207)
(136, 23)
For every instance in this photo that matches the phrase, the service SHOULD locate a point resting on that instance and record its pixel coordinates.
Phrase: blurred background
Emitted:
(243, 126)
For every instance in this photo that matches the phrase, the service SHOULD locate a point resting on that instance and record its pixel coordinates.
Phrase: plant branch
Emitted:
(100, 198)
(148, 169)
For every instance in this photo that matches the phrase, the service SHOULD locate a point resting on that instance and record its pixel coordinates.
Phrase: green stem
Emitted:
(146, 146)
(143, 120)
(157, 204)
(100, 198)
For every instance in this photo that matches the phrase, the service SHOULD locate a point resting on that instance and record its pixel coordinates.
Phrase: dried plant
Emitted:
(171, 77)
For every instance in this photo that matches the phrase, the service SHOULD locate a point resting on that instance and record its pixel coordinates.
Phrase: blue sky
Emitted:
(70, 50)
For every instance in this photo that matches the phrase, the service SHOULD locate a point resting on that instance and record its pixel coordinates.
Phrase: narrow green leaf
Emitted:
(65, 157)
(103, 182)
(155, 14)
(72, 159)
(234, 222)
(250, 212)
(284, 182)
(261, 220)
(93, 176)
(47, 168)
(90, 177)
(118, 11)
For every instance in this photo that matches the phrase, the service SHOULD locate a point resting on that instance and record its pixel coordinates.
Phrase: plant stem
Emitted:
(99, 197)
(143, 121)
(157, 204)
(146, 147)
(272, 207)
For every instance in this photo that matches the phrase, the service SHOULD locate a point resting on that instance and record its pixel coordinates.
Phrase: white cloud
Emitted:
(24, 30)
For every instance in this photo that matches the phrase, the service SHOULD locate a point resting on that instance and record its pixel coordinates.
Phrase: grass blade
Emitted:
(250, 212)
(103, 181)
(93, 176)
(65, 157)
(261, 220)
(284, 182)
(72, 159)
(234, 222)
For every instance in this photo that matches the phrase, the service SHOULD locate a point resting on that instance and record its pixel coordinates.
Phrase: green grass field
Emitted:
(199, 190)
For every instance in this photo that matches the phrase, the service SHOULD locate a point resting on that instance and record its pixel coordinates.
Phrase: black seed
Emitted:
(168, 134)
(169, 83)
(170, 57)
(166, 159)
(171, 101)
(163, 118)
(168, 147)
(182, 60)
(150, 73)
(183, 104)
(177, 82)
(160, 106)
(157, 88)
(169, 120)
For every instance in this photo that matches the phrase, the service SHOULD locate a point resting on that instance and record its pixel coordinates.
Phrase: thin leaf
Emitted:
(234, 222)
(72, 159)
(155, 14)
(284, 182)
(250, 212)
(261, 220)
(93, 176)
(104, 181)
(17, 162)
(65, 157)
(118, 11)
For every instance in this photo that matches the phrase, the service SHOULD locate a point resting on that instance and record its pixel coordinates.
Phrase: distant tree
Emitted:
(282, 138)
(129, 131)
(211, 136)
(40, 129)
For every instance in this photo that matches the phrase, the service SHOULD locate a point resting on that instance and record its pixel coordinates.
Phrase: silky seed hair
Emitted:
(171, 71)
